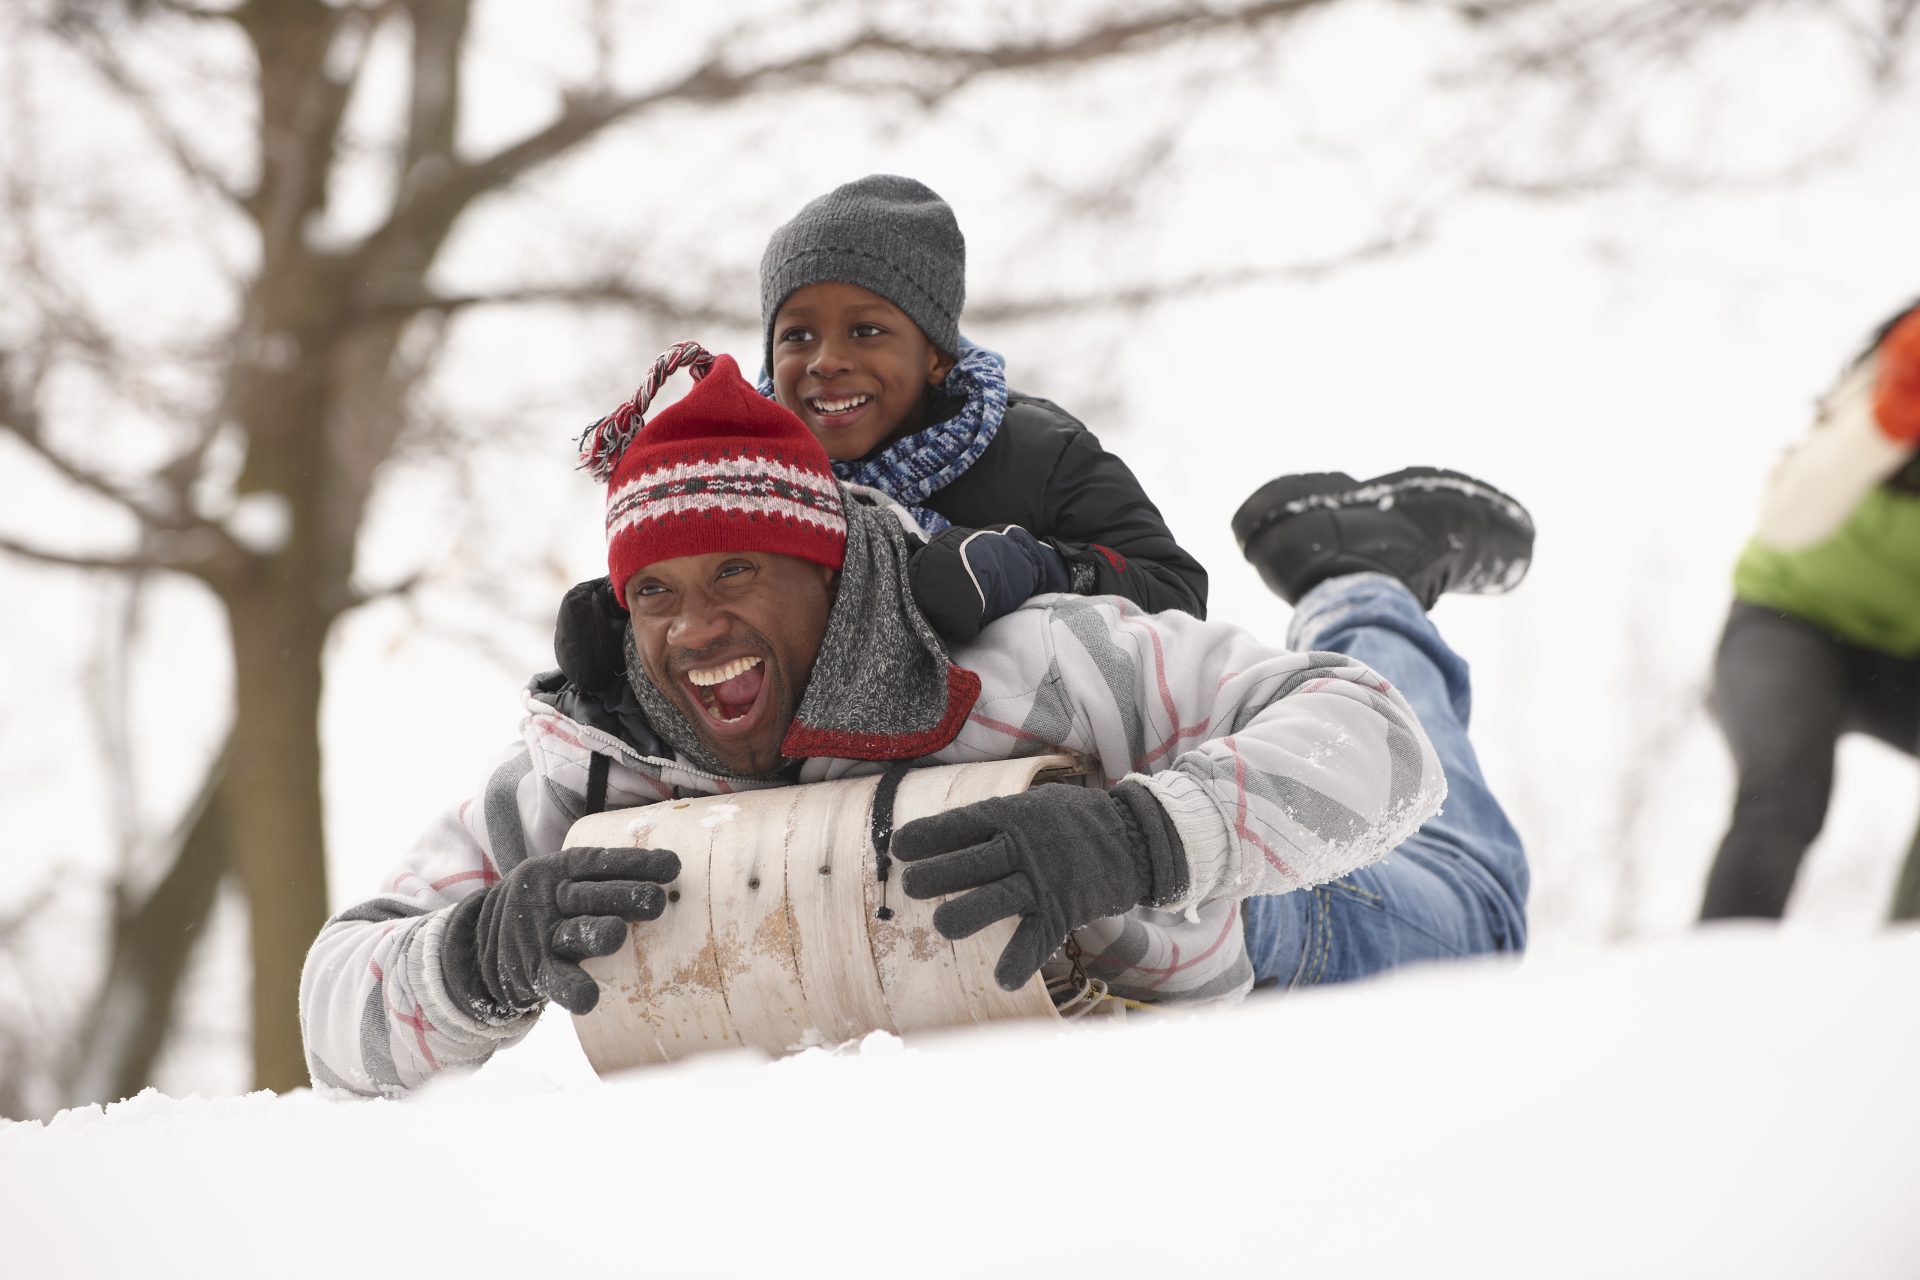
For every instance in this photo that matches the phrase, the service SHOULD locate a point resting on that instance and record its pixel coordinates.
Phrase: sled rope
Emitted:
(880, 829)
(1075, 995)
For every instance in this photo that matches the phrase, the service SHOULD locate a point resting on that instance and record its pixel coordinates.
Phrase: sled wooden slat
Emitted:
(774, 938)
(827, 862)
(919, 973)
(755, 938)
(671, 991)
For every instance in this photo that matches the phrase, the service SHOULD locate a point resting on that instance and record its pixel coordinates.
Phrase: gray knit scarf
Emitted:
(882, 687)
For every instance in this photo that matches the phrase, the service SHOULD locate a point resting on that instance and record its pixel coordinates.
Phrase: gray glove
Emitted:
(510, 947)
(1058, 856)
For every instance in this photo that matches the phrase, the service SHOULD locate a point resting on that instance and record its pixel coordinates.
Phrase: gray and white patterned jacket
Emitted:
(1280, 770)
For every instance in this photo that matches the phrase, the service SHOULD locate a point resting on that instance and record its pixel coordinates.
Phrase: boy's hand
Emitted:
(1896, 388)
(519, 943)
(965, 578)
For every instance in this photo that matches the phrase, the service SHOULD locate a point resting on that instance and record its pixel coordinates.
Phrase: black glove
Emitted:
(1058, 856)
(511, 946)
(589, 636)
(965, 578)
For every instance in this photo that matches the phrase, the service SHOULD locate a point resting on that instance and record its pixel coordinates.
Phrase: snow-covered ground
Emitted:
(1737, 1104)
(1734, 1103)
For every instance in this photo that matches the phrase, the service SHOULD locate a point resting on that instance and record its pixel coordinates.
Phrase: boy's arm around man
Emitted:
(1046, 472)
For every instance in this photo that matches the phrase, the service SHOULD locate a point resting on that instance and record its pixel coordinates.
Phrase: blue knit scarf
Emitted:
(914, 468)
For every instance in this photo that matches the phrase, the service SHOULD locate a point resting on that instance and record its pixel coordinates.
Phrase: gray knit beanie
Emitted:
(885, 233)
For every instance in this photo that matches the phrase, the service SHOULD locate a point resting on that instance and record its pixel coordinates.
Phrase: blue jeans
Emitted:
(1455, 887)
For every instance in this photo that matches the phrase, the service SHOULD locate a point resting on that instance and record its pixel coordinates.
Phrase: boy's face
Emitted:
(730, 639)
(852, 367)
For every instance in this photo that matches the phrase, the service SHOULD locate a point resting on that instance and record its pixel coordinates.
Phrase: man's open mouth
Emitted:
(729, 692)
(837, 406)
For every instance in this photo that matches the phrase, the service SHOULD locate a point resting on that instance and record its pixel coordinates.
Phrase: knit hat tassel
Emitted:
(718, 470)
(602, 444)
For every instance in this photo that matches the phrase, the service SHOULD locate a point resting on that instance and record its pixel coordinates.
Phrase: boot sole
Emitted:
(1289, 496)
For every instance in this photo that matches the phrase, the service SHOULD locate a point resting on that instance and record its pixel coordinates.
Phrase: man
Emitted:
(771, 639)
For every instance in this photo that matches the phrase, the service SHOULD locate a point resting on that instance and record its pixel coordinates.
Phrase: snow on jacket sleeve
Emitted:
(374, 1011)
(1817, 484)
(1280, 770)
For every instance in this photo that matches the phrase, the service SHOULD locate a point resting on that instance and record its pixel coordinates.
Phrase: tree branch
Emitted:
(433, 108)
(28, 434)
(181, 9)
(104, 563)
(301, 108)
(66, 328)
(401, 590)
(92, 46)
(20, 418)
(16, 922)
(1097, 44)
(427, 215)
(1634, 167)
(613, 292)
(1660, 31)
(1014, 310)
(153, 943)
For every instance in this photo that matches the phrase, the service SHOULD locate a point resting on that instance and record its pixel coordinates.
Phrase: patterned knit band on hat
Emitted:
(887, 234)
(722, 469)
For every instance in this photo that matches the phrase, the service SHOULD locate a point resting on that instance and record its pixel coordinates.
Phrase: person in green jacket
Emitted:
(1824, 634)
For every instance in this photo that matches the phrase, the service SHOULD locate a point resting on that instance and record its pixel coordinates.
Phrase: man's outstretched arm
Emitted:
(1277, 770)
(485, 921)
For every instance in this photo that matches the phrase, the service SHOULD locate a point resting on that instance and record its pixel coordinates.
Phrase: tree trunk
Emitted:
(274, 808)
(123, 1035)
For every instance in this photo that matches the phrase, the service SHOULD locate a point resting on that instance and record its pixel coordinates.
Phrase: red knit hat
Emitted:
(722, 469)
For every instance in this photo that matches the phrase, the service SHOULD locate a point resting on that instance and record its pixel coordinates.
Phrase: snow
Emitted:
(1737, 1103)
(720, 813)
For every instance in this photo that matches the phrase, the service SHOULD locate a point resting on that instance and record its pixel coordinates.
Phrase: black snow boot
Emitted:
(1436, 531)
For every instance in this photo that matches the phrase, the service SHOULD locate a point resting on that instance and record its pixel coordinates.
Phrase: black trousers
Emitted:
(1784, 691)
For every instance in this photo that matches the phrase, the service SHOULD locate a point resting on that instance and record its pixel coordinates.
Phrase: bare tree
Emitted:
(309, 368)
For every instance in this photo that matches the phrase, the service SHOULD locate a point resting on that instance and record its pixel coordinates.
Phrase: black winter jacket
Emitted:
(1047, 473)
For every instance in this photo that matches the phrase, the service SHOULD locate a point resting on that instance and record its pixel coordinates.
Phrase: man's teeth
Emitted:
(840, 406)
(720, 675)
